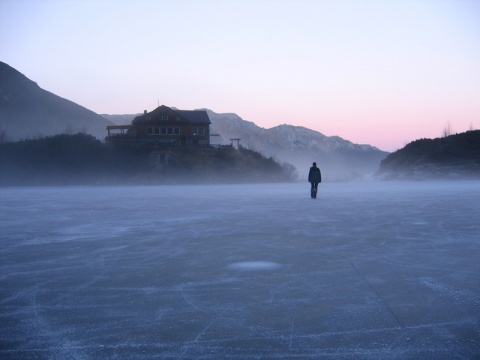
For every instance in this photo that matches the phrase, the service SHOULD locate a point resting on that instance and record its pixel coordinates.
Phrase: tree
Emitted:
(447, 131)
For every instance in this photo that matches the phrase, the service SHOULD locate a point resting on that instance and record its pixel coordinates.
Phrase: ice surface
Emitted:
(368, 270)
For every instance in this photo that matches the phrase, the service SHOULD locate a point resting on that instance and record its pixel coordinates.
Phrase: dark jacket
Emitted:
(314, 175)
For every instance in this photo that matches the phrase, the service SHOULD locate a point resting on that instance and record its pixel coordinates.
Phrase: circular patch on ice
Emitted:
(254, 265)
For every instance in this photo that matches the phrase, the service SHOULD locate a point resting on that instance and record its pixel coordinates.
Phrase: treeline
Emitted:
(448, 157)
(82, 159)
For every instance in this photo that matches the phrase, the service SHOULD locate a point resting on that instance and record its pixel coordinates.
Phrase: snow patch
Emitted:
(254, 265)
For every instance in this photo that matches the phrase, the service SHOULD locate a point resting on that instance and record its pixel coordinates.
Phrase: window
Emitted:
(163, 130)
(198, 131)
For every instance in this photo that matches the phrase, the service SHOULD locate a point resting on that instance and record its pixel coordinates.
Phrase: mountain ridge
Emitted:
(296, 145)
(27, 110)
(300, 146)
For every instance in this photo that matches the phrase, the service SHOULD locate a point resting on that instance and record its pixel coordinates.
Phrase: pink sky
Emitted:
(373, 72)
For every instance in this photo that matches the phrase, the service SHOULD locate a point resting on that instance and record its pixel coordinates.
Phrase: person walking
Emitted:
(314, 178)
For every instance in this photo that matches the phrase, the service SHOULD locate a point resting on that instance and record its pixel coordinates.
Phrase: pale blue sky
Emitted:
(375, 71)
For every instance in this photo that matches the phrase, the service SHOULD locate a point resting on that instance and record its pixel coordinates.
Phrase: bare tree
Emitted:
(447, 131)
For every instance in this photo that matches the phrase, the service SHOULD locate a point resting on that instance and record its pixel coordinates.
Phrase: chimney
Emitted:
(144, 111)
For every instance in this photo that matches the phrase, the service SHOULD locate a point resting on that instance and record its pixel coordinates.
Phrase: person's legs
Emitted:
(314, 190)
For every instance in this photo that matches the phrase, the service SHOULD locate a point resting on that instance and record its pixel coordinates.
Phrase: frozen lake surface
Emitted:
(369, 270)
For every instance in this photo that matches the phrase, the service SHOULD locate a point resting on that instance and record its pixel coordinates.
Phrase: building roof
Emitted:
(165, 114)
(195, 116)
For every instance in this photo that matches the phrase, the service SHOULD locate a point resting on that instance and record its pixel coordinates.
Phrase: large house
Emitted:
(164, 127)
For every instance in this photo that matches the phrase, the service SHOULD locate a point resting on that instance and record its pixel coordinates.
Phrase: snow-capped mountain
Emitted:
(299, 146)
(338, 158)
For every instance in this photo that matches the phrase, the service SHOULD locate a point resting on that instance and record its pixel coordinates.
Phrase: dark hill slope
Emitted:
(453, 156)
(81, 159)
(27, 111)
